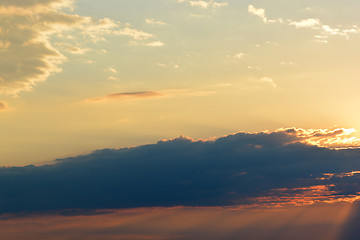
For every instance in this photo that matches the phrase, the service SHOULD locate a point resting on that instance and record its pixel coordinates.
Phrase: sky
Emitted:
(179, 119)
(83, 75)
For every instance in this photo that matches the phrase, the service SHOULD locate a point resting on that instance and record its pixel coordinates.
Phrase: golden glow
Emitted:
(184, 223)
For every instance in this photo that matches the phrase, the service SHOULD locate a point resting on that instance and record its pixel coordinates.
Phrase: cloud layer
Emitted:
(244, 169)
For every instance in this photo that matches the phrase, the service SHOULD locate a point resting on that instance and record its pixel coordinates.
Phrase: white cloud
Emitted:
(111, 70)
(327, 31)
(134, 33)
(312, 23)
(307, 23)
(268, 80)
(260, 12)
(239, 55)
(152, 21)
(170, 65)
(286, 63)
(155, 44)
(205, 4)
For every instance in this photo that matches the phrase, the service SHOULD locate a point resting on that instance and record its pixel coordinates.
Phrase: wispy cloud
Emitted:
(134, 33)
(269, 81)
(27, 53)
(155, 44)
(325, 31)
(306, 23)
(3, 106)
(152, 21)
(239, 55)
(260, 12)
(204, 4)
(126, 96)
(110, 69)
(71, 48)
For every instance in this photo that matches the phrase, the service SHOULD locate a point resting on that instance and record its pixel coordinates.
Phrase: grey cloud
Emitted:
(239, 169)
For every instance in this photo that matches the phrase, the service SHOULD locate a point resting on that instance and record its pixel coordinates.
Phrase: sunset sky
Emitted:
(180, 109)
(83, 75)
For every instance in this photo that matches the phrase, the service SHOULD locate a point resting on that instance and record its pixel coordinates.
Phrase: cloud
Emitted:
(204, 4)
(3, 106)
(126, 96)
(155, 44)
(307, 23)
(286, 63)
(312, 23)
(239, 170)
(71, 48)
(260, 12)
(339, 31)
(239, 55)
(152, 21)
(268, 80)
(111, 70)
(169, 65)
(28, 29)
(134, 33)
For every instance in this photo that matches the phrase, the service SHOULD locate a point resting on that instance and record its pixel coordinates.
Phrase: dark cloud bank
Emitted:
(232, 170)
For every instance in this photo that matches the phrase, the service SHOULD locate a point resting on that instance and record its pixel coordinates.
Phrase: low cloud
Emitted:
(288, 166)
(126, 96)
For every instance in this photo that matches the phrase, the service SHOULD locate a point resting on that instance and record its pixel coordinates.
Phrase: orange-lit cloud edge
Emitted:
(278, 199)
(337, 138)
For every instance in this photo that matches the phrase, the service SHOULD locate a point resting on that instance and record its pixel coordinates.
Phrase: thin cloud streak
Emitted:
(3, 106)
(126, 96)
